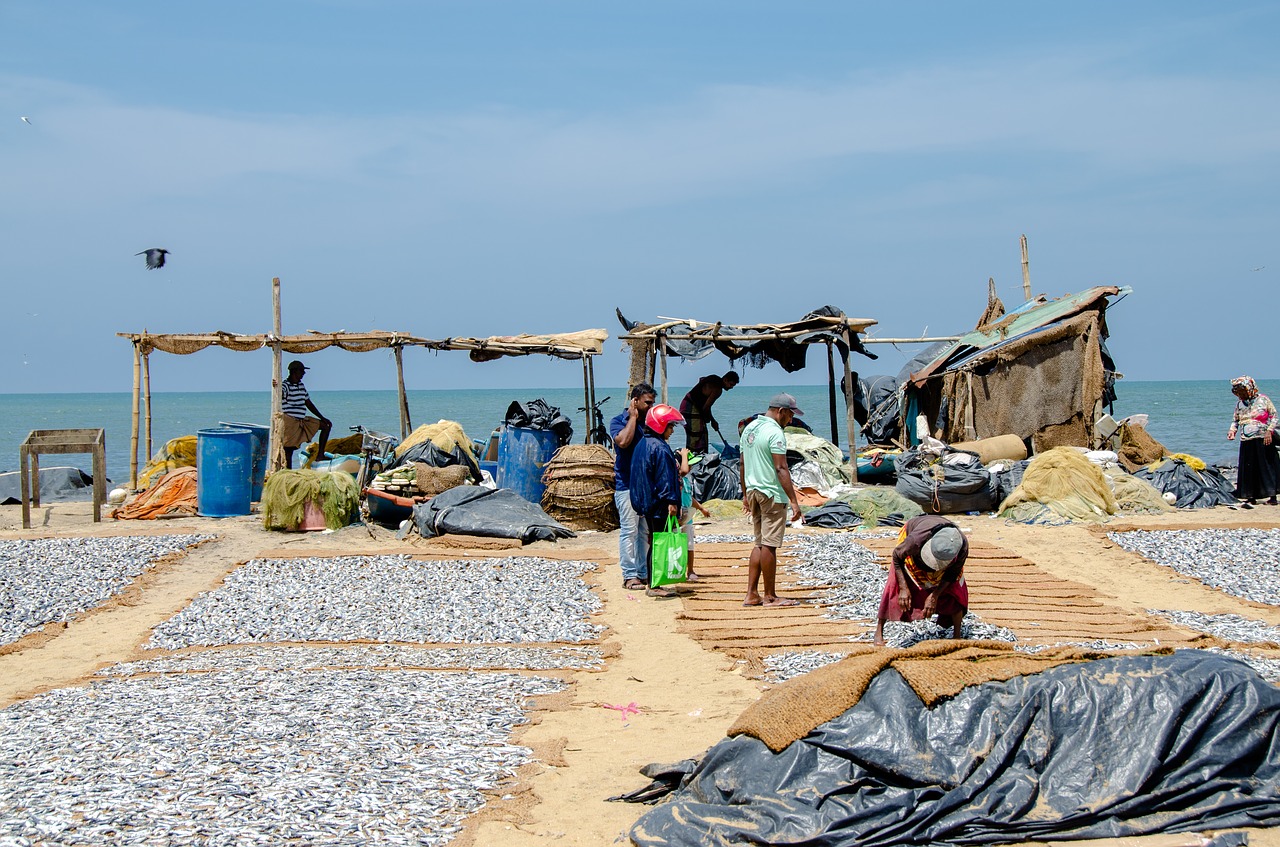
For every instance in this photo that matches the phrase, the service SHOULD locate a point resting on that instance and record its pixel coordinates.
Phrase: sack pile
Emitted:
(579, 480)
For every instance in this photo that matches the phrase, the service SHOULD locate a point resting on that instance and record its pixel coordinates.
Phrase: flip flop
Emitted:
(660, 592)
(634, 584)
(780, 603)
(693, 577)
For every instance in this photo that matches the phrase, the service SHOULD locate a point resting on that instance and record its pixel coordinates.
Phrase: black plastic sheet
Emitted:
(1115, 747)
(472, 510)
(539, 414)
(1194, 489)
(57, 485)
(714, 478)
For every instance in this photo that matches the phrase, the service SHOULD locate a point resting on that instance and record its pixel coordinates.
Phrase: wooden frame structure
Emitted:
(651, 345)
(583, 345)
(61, 442)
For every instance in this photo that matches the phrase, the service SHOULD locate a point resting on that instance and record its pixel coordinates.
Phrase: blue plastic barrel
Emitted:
(261, 440)
(224, 464)
(522, 455)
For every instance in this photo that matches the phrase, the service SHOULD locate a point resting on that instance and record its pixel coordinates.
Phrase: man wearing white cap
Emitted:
(766, 492)
(927, 576)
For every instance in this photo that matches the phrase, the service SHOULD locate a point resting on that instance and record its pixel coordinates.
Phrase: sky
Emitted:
(491, 168)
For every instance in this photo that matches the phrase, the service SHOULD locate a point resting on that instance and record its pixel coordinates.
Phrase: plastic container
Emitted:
(224, 465)
(261, 441)
(522, 455)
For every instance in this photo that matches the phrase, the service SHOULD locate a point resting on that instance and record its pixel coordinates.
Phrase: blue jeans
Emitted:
(633, 539)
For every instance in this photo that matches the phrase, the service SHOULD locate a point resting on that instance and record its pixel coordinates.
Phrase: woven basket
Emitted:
(432, 480)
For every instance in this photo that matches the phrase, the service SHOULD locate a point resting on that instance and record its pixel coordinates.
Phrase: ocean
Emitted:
(1188, 416)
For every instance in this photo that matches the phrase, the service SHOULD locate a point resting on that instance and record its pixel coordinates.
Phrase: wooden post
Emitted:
(591, 378)
(586, 399)
(133, 448)
(662, 351)
(146, 399)
(849, 420)
(1026, 271)
(831, 393)
(276, 450)
(405, 423)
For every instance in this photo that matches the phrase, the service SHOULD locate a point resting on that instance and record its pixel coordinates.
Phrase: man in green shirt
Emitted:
(766, 492)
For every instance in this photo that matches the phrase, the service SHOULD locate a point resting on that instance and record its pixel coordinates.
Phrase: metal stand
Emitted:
(49, 441)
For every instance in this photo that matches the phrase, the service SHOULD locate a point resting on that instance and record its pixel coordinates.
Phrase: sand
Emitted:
(688, 694)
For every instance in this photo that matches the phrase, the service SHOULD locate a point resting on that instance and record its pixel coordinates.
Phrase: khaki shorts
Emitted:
(768, 518)
(294, 433)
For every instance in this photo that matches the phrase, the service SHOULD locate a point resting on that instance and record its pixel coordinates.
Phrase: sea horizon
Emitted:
(1188, 416)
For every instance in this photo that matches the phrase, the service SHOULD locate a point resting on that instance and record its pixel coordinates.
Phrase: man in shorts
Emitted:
(766, 492)
(298, 427)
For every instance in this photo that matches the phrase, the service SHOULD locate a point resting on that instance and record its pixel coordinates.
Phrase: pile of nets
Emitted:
(440, 444)
(579, 480)
(286, 494)
(1063, 481)
(865, 507)
(176, 453)
(724, 508)
(170, 496)
(1135, 496)
(825, 456)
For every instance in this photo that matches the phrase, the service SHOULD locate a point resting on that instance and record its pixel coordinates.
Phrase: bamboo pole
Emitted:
(405, 423)
(146, 399)
(662, 351)
(277, 449)
(133, 449)
(831, 393)
(1026, 271)
(848, 406)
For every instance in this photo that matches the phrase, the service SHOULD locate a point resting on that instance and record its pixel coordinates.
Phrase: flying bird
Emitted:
(26, 120)
(1257, 269)
(155, 257)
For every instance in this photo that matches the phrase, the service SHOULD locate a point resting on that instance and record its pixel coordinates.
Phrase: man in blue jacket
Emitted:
(655, 477)
(626, 430)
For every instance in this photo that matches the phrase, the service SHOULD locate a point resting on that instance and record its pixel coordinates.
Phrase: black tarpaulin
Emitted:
(1122, 746)
(57, 485)
(1193, 489)
(472, 510)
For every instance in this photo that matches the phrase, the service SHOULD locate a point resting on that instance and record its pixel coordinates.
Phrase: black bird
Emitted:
(155, 257)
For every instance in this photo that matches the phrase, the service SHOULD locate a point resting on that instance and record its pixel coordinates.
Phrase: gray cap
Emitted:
(943, 548)
(785, 401)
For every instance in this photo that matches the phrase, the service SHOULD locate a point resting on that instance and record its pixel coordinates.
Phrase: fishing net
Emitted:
(1137, 448)
(872, 504)
(1134, 495)
(446, 435)
(724, 508)
(176, 453)
(286, 493)
(172, 495)
(580, 480)
(1065, 481)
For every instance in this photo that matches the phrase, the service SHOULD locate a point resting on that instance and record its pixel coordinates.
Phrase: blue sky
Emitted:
(492, 168)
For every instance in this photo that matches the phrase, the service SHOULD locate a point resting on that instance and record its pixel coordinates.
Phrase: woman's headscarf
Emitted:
(1246, 382)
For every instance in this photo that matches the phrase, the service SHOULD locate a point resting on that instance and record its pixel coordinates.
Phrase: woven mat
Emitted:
(934, 670)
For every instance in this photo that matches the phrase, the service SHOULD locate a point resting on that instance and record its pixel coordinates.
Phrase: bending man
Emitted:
(926, 576)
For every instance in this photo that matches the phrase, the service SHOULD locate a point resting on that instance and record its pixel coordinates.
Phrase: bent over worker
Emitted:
(926, 576)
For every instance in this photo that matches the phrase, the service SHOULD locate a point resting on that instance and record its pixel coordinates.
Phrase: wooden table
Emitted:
(50, 441)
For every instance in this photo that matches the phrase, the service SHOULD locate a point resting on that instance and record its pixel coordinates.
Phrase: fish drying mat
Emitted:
(1005, 590)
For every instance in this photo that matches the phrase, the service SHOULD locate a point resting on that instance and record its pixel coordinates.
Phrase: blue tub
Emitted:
(224, 467)
(261, 441)
(522, 456)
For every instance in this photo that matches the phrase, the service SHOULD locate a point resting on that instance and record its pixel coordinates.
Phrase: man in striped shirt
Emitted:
(298, 427)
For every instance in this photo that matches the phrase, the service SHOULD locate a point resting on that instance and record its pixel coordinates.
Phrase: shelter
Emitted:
(1041, 372)
(755, 344)
(581, 345)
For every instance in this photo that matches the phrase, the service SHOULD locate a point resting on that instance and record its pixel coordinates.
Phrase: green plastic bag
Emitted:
(669, 562)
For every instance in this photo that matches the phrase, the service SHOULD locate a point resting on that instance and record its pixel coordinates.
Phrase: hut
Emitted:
(1041, 372)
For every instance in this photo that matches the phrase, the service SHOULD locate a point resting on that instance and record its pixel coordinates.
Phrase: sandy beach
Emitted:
(688, 683)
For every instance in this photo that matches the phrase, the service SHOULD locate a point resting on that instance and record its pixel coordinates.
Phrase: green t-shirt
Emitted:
(761, 441)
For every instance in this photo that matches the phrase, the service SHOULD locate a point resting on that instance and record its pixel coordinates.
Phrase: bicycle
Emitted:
(375, 449)
(598, 433)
